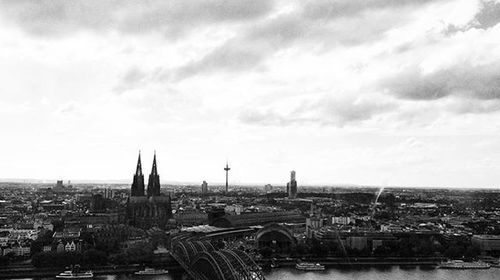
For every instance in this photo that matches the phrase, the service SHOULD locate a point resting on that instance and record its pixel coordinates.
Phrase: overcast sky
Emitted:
(378, 92)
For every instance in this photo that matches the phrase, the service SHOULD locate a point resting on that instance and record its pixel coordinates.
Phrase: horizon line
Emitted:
(222, 184)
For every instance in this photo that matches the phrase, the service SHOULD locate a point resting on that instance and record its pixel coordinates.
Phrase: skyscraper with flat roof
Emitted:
(291, 187)
(204, 187)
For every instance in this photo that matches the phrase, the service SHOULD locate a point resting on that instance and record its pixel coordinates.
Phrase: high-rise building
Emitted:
(204, 187)
(291, 187)
(153, 210)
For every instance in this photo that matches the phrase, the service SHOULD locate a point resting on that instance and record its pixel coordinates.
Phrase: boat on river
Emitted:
(459, 264)
(75, 273)
(309, 266)
(151, 271)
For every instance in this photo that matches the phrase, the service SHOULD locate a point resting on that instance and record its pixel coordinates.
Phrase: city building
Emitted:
(204, 187)
(151, 210)
(291, 187)
(253, 219)
(277, 237)
(108, 193)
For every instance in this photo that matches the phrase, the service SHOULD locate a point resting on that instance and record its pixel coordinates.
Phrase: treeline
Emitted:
(141, 253)
(90, 257)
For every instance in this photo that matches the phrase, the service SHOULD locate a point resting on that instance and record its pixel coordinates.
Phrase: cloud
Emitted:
(254, 44)
(489, 15)
(227, 58)
(473, 106)
(133, 78)
(61, 17)
(335, 111)
(465, 80)
(328, 9)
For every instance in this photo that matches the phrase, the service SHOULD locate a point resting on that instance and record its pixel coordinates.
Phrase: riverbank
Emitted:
(33, 272)
(356, 262)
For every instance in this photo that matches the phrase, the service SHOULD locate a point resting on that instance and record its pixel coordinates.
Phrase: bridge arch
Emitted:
(188, 250)
(226, 265)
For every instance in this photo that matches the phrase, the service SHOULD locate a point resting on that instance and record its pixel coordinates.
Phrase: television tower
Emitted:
(227, 174)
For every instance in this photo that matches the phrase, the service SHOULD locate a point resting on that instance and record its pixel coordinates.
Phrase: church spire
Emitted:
(137, 188)
(154, 171)
(138, 170)
(154, 180)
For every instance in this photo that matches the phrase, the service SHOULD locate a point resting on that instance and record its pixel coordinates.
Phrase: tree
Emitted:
(454, 251)
(94, 257)
(55, 259)
(472, 252)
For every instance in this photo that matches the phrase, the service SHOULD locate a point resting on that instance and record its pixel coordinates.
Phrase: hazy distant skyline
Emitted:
(366, 92)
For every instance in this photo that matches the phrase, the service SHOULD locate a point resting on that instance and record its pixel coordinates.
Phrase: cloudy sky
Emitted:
(378, 92)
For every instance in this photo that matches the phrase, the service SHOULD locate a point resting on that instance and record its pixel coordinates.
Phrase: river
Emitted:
(389, 273)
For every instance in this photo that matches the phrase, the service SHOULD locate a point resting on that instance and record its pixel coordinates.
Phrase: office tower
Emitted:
(291, 187)
(204, 187)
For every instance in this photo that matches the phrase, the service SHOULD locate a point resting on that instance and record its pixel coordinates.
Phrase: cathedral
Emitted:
(148, 209)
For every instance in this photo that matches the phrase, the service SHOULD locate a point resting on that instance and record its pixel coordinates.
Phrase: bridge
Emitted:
(202, 261)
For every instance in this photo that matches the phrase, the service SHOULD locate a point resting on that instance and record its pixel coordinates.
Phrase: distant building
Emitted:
(191, 218)
(291, 187)
(268, 188)
(312, 224)
(59, 186)
(233, 209)
(204, 187)
(341, 220)
(253, 219)
(277, 237)
(153, 210)
(108, 193)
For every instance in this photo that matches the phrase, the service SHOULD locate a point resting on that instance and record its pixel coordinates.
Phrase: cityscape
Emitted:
(249, 139)
(228, 231)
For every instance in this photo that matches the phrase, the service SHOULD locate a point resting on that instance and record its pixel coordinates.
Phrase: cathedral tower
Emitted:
(154, 180)
(138, 182)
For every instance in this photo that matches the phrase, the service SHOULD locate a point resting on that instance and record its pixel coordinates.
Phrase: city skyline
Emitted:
(384, 93)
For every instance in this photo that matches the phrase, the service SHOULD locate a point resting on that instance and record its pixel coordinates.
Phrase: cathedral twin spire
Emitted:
(153, 182)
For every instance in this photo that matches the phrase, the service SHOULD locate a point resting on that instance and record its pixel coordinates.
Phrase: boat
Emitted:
(75, 273)
(459, 264)
(151, 271)
(309, 266)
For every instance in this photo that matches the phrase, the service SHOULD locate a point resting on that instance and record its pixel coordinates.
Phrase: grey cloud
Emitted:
(326, 111)
(477, 82)
(489, 15)
(227, 58)
(61, 17)
(258, 42)
(355, 110)
(473, 106)
(331, 9)
(130, 80)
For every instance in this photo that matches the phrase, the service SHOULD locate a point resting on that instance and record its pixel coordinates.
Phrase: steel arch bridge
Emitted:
(202, 261)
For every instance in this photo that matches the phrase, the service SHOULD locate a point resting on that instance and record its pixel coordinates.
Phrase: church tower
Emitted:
(138, 182)
(154, 180)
